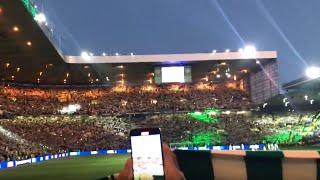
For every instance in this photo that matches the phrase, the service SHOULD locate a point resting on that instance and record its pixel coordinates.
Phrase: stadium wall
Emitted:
(248, 165)
(264, 83)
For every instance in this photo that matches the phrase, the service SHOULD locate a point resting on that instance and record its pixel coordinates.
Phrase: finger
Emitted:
(126, 173)
(171, 170)
(168, 152)
(171, 166)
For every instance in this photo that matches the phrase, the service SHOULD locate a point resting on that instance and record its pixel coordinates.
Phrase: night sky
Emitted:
(291, 27)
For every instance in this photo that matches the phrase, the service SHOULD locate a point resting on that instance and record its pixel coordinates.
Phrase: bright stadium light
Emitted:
(250, 51)
(197, 113)
(85, 55)
(40, 18)
(284, 100)
(240, 50)
(264, 105)
(313, 72)
(226, 112)
(286, 104)
(104, 54)
(70, 109)
(227, 50)
(214, 51)
(311, 101)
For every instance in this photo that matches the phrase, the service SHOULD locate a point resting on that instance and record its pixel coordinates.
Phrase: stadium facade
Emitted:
(30, 55)
(302, 94)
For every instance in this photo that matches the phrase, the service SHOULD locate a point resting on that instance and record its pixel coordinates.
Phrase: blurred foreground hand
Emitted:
(171, 169)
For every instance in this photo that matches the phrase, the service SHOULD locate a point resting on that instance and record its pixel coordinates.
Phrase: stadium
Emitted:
(68, 117)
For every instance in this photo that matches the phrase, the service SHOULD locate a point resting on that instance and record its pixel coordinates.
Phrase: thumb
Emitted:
(126, 173)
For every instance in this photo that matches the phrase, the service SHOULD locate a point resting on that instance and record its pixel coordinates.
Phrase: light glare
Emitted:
(250, 51)
(85, 55)
(40, 18)
(313, 72)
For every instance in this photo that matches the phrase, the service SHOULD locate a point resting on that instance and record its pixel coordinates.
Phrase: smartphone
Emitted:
(146, 153)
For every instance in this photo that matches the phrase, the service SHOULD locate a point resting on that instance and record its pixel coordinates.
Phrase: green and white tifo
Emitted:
(283, 128)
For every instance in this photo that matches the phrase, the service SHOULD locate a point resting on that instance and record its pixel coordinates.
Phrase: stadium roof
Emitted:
(293, 101)
(17, 28)
(28, 54)
(171, 57)
(303, 83)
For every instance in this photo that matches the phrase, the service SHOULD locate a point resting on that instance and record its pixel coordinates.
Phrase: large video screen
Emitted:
(172, 74)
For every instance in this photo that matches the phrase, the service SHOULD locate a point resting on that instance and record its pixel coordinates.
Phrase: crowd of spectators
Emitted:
(48, 134)
(104, 118)
(12, 150)
(53, 134)
(122, 99)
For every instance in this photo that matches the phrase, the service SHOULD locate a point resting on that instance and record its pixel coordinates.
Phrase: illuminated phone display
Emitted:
(147, 155)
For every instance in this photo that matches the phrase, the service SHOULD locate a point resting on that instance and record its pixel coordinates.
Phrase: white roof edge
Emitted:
(170, 57)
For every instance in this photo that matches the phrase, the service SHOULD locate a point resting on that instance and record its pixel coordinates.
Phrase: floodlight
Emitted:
(313, 72)
(284, 100)
(286, 104)
(85, 55)
(40, 18)
(311, 101)
(15, 29)
(265, 104)
(250, 51)
(197, 113)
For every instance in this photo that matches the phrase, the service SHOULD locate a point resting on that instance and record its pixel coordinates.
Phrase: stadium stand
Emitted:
(63, 133)
(122, 100)
(52, 105)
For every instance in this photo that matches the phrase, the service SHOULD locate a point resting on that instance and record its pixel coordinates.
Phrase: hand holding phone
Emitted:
(146, 153)
(171, 169)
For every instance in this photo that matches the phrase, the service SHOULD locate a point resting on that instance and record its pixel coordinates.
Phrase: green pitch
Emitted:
(86, 167)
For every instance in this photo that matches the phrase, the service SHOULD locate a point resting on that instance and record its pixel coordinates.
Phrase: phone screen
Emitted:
(147, 155)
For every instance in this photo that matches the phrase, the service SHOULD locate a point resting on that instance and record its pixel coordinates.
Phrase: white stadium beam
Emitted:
(170, 57)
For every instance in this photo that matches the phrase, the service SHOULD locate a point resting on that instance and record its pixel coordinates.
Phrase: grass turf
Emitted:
(85, 167)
